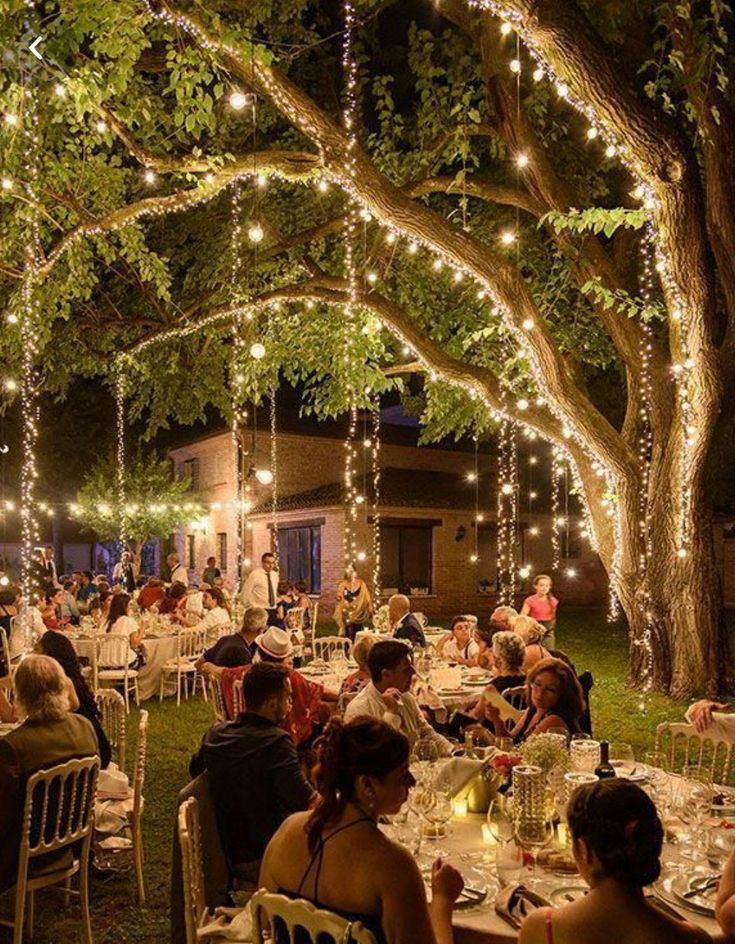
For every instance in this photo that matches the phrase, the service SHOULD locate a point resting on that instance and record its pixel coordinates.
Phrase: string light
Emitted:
(274, 471)
(238, 100)
(375, 469)
(257, 350)
(507, 510)
(255, 233)
(120, 454)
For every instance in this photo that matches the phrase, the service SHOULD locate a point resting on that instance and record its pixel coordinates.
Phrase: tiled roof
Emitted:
(399, 488)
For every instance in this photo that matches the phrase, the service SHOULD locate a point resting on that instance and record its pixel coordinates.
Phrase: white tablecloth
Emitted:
(158, 650)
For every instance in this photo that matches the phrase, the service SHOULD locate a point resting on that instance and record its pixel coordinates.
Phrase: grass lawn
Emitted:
(174, 734)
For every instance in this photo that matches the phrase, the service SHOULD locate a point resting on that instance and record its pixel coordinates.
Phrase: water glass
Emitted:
(619, 750)
(500, 818)
(508, 862)
(585, 755)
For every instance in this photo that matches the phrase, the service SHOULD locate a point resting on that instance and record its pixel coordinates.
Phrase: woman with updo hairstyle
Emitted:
(616, 840)
(336, 856)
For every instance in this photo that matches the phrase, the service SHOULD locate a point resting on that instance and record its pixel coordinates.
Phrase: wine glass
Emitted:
(424, 758)
(619, 750)
(500, 818)
(696, 806)
(423, 667)
(533, 834)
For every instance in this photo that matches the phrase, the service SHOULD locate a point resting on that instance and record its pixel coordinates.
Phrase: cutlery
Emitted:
(700, 887)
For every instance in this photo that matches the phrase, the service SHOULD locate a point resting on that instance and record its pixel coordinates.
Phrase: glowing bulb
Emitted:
(372, 277)
(365, 215)
(264, 476)
(257, 350)
(637, 193)
(4, 580)
(538, 74)
(10, 384)
(101, 126)
(515, 66)
(209, 178)
(523, 404)
(473, 558)
(11, 119)
(528, 324)
(322, 186)
(571, 572)
(525, 572)
(405, 350)
(9, 506)
(238, 100)
(359, 499)
(505, 29)
(480, 517)
(103, 508)
(149, 176)
(533, 531)
(458, 276)
(533, 495)
(367, 443)
(532, 460)
(413, 248)
(592, 133)
(390, 238)
(261, 181)
(522, 160)
(437, 264)
(7, 183)
(562, 90)
(561, 521)
(507, 238)
(60, 90)
(471, 476)
(361, 556)
(507, 488)
(611, 150)
(255, 233)
(681, 553)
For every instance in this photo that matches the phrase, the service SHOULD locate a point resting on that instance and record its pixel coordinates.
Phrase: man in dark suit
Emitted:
(403, 622)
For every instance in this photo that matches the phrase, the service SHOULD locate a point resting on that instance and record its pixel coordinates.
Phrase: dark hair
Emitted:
(363, 747)
(300, 585)
(217, 595)
(50, 592)
(177, 590)
(68, 584)
(619, 823)
(60, 648)
(485, 634)
(262, 681)
(456, 620)
(212, 558)
(386, 654)
(284, 586)
(118, 608)
(87, 573)
(7, 596)
(570, 704)
(267, 554)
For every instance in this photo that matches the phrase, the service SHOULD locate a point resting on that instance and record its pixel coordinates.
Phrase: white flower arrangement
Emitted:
(545, 751)
(381, 620)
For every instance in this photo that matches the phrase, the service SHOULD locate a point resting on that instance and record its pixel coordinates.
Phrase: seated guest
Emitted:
(237, 648)
(194, 606)
(531, 633)
(49, 734)
(60, 648)
(254, 774)
(216, 614)
(285, 601)
(617, 838)
(151, 594)
(509, 653)
(458, 645)
(309, 700)
(359, 679)
(219, 583)
(484, 638)
(8, 612)
(119, 622)
(211, 572)
(503, 614)
(554, 698)
(387, 696)
(173, 603)
(69, 609)
(403, 623)
(362, 774)
(725, 903)
(51, 607)
(88, 587)
(99, 608)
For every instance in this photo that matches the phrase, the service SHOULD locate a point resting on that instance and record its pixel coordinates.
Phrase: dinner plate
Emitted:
(451, 691)
(630, 770)
(480, 682)
(672, 886)
(564, 894)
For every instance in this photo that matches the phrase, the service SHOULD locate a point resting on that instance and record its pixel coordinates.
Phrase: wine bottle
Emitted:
(604, 769)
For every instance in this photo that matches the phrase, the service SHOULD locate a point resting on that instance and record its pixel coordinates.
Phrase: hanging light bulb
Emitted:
(458, 275)
(238, 100)
(12, 318)
(522, 160)
(533, 531)
(507, 488)
(528, 324)
(591, 133)
(571, 572)
(257, 350)
(515, 66)
(473, 558)
(10, 385)
(264, 476)
(525, 572)
(372, 277)
(522, 404)
(361, 556)
(261, 181)
(413, 248)
(7, 183)
(505, 28)
(562, 90)
(610, 150)
(508, 237)
(255, 232)
(365, 215)
(390, 237)
(10, 118)
(437, 264)
(322, 186)
(101, 126)
(471, 476)
(538, 74)
(149, 176)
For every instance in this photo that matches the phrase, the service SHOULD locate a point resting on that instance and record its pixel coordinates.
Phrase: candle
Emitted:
(459, 806)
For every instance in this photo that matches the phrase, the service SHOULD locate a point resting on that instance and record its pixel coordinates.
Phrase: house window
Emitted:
(222, 551)
(406, 557)
(300, 555)
(190, 470)
(190, 552)
(487, 560)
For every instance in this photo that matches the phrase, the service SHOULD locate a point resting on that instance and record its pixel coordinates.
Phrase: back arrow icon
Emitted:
(33, 49)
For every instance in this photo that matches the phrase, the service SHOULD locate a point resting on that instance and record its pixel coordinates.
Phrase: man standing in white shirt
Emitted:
(387, 696)
(179, 573)
(261, 587)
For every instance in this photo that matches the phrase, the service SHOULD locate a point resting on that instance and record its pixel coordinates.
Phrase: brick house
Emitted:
(427, 521)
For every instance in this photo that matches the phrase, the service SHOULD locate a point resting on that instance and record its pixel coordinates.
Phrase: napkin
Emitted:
(515, 902)
(459, 772)
(112, 782)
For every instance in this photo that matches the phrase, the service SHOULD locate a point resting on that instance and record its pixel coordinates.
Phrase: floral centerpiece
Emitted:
(547, 752)
(381, 619)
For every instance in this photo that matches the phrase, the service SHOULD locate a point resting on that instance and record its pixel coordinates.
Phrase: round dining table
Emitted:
(158, 651)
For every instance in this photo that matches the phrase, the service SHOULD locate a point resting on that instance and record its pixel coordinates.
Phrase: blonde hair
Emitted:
(509, 647)
(529, 629)
(41, 689)
(504, 614)
(361, 650)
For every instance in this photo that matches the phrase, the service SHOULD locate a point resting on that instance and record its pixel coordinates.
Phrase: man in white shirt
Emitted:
(179, 573)
(215, 616)
(261, 587)
(388, 698)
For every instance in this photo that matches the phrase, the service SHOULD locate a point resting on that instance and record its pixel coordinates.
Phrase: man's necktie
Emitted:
(271, 594)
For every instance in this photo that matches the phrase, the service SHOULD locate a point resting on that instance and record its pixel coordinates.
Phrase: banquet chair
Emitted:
(218, 701)
(516, 696)
(5, 647)
(343, 701)
(318, 923)
(56, 837)
(111, 706)
(135, 816)
(196, 912)
(238, 702)
(190, 645)
(110, 664)
(326, 645)
(684, 746)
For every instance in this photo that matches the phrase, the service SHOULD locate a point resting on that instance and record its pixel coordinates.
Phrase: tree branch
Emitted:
(481, 189)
